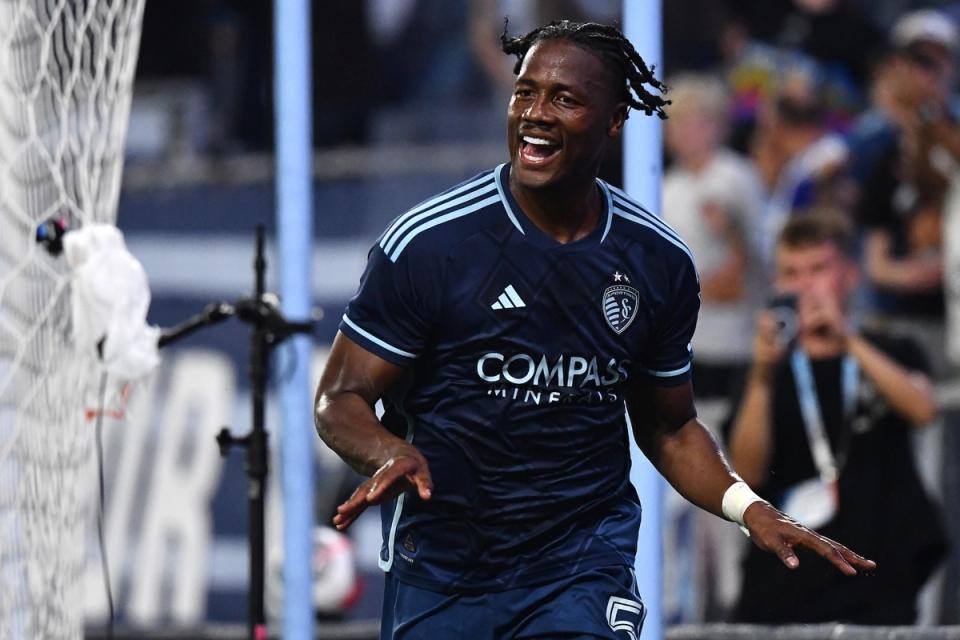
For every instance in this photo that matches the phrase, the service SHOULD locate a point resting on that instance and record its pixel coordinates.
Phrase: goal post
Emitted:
(66, 76)
(294, 176)
(642, 174)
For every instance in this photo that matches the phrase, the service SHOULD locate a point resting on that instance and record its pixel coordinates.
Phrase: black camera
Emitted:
(783, 307)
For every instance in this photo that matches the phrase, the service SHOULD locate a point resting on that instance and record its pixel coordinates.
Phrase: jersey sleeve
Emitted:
(668, 357)
(390, 315)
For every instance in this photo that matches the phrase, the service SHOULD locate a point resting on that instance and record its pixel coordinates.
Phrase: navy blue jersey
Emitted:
(518, 351)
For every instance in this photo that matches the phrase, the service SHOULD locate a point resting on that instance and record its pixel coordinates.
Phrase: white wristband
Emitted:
(736, 499)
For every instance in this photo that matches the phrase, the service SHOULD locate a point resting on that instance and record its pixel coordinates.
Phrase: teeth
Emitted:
(539, 141)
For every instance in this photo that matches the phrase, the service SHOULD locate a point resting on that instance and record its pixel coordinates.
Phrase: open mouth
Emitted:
(536, 151)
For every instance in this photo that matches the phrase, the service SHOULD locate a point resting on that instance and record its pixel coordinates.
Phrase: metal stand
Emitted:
(270, 329)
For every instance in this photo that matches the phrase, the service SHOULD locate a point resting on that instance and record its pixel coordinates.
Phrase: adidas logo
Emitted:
(509, 299)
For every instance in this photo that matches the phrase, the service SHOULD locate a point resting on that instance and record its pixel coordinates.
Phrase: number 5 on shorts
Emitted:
(626, 615)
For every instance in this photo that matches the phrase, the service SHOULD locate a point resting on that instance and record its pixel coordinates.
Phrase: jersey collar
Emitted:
(533, 233)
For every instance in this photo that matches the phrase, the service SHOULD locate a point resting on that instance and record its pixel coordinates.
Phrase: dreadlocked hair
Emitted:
(611, 45)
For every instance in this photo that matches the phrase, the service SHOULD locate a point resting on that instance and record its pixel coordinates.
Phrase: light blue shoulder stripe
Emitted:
(646, 223)
(627, 203)
(369, 336)
(442, 198)
(623, 195)
(506, 202)
(446, 206)
(643, 213)
(459, 213)
(669, 374)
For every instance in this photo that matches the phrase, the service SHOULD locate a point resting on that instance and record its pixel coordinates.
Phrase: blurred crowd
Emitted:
(823, 110)
(867, 131)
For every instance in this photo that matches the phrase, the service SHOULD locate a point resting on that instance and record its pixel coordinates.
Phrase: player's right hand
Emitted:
(404, 470)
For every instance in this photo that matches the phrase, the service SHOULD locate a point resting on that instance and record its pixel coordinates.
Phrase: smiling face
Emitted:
(563, 112)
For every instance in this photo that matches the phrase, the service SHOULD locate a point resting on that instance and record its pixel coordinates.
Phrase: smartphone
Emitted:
(783, 307)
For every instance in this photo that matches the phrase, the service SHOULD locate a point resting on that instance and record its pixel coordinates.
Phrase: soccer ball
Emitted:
(336, 586)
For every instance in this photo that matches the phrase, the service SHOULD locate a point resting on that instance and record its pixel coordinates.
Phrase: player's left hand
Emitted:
(777, 533)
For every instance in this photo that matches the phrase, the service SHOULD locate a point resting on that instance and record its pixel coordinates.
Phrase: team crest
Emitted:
(620, 304)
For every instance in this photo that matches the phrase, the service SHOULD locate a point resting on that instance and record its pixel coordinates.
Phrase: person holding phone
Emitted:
(822, 430)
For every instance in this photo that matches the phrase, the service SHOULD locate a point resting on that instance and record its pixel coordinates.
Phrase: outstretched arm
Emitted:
(683, 450)
(352, 382)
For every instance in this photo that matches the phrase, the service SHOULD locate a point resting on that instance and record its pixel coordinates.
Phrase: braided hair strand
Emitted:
(612, 46)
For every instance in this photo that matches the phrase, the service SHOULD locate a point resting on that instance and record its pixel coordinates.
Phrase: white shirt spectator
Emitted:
(709, 209)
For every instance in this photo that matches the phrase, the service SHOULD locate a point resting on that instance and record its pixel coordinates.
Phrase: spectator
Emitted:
(823, 431)
(839, 34)
(712, 196)
(756, 73)
(799, 160)
(899, 148)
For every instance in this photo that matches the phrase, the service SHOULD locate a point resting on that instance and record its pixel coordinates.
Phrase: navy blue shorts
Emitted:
(600, 603)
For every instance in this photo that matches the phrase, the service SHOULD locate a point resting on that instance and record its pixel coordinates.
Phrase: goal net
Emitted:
(66, 74)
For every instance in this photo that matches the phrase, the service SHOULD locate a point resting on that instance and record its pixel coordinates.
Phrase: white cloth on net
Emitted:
(109, 302)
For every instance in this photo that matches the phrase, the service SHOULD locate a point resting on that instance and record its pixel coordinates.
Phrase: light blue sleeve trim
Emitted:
(669, 374)
(372, 338)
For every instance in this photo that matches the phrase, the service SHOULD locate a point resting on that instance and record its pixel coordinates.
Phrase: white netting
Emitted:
(66, 73)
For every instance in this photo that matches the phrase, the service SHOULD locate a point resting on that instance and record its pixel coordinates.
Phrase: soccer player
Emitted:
(505, 323)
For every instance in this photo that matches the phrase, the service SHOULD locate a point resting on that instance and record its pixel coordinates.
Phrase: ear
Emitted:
(617, 118)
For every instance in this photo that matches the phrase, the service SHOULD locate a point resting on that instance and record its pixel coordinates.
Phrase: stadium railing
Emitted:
(370, 631)
(809, 632)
